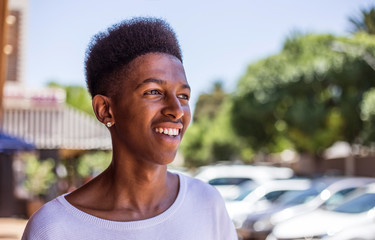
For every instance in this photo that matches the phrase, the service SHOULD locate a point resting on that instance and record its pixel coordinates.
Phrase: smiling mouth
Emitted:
(168, 131)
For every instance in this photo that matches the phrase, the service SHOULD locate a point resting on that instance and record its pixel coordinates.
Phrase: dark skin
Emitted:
(149, 118)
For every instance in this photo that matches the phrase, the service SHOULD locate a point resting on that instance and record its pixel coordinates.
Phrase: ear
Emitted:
(102, 108)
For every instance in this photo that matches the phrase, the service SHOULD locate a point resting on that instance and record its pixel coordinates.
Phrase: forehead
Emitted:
(157, 66)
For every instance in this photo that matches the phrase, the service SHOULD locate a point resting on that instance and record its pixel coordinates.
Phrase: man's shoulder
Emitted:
(201, 189)
(195, 182)
(48, 217)
(47, 211)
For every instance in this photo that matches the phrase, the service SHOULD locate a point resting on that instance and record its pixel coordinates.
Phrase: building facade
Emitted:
(38, 116)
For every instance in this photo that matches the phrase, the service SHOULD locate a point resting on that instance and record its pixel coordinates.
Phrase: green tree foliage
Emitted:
(76, 96)
(208, 104)
(93, 163)
(193, 146)
(364, 21)
(39, 174)
(211, 138)
(308, 96)
(368, 116)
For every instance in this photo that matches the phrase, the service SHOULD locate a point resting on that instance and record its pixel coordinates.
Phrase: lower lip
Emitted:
(174, 139)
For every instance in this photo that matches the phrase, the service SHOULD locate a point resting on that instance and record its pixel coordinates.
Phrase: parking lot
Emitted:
(270, 203)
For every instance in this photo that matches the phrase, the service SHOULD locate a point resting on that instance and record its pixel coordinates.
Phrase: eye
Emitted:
(183, 96)
(152, 92)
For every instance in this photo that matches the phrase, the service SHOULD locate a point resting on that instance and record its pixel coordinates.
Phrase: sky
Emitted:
(219, 39)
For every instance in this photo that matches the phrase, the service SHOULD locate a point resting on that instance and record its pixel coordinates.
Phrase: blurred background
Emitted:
(283, 108)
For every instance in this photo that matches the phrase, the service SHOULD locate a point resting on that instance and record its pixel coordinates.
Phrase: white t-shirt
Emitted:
(197, 213)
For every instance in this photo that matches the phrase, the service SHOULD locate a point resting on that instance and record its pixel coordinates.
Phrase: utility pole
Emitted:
(3, 57)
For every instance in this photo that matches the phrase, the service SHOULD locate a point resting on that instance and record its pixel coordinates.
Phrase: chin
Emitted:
(166, 158)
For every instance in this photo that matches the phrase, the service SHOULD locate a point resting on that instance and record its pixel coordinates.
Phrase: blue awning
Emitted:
(11, 144)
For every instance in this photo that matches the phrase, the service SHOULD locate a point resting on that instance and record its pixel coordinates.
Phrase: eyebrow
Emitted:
(158, 81)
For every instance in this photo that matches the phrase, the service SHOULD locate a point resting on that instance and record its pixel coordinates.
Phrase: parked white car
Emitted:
(227, 178)
(333, 195)
(363, 232)
(262, 197)
(258, 225)
(358, 211)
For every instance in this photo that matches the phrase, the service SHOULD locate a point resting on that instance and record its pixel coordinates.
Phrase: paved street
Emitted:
(11, 229)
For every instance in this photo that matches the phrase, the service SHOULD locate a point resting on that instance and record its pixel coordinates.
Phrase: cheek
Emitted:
(139, 115)
(134, 118)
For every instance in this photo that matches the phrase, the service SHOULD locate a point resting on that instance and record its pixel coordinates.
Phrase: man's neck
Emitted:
(126, 192)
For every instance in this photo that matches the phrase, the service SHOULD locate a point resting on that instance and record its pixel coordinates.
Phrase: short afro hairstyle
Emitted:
(111, 51)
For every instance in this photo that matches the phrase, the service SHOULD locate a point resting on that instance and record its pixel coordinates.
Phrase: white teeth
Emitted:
(167, 131)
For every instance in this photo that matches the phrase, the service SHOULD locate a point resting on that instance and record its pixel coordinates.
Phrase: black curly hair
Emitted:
(110, 52)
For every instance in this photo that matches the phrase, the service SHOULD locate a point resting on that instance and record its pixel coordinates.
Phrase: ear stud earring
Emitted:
(108, 124)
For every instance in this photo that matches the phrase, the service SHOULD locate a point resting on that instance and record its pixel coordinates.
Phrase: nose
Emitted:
(173, 108)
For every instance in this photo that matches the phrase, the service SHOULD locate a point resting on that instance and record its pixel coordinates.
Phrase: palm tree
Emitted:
(364, 21)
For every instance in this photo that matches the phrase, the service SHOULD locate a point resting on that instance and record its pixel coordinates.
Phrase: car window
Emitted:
(228, 181)
(337, 198)
(244, 192)
(297, 197)
(274, 195)
(359, 204)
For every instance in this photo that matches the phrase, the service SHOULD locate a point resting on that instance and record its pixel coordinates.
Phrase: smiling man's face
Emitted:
(151, 112)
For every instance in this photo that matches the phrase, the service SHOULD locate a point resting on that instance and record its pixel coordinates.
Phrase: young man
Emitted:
(139, 91)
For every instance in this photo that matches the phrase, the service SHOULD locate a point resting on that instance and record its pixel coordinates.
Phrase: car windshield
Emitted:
(359, 204)
(274, 195)
(244, 192)
(337, 198)
(304, 196)
(297, 197)
(228, 181)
